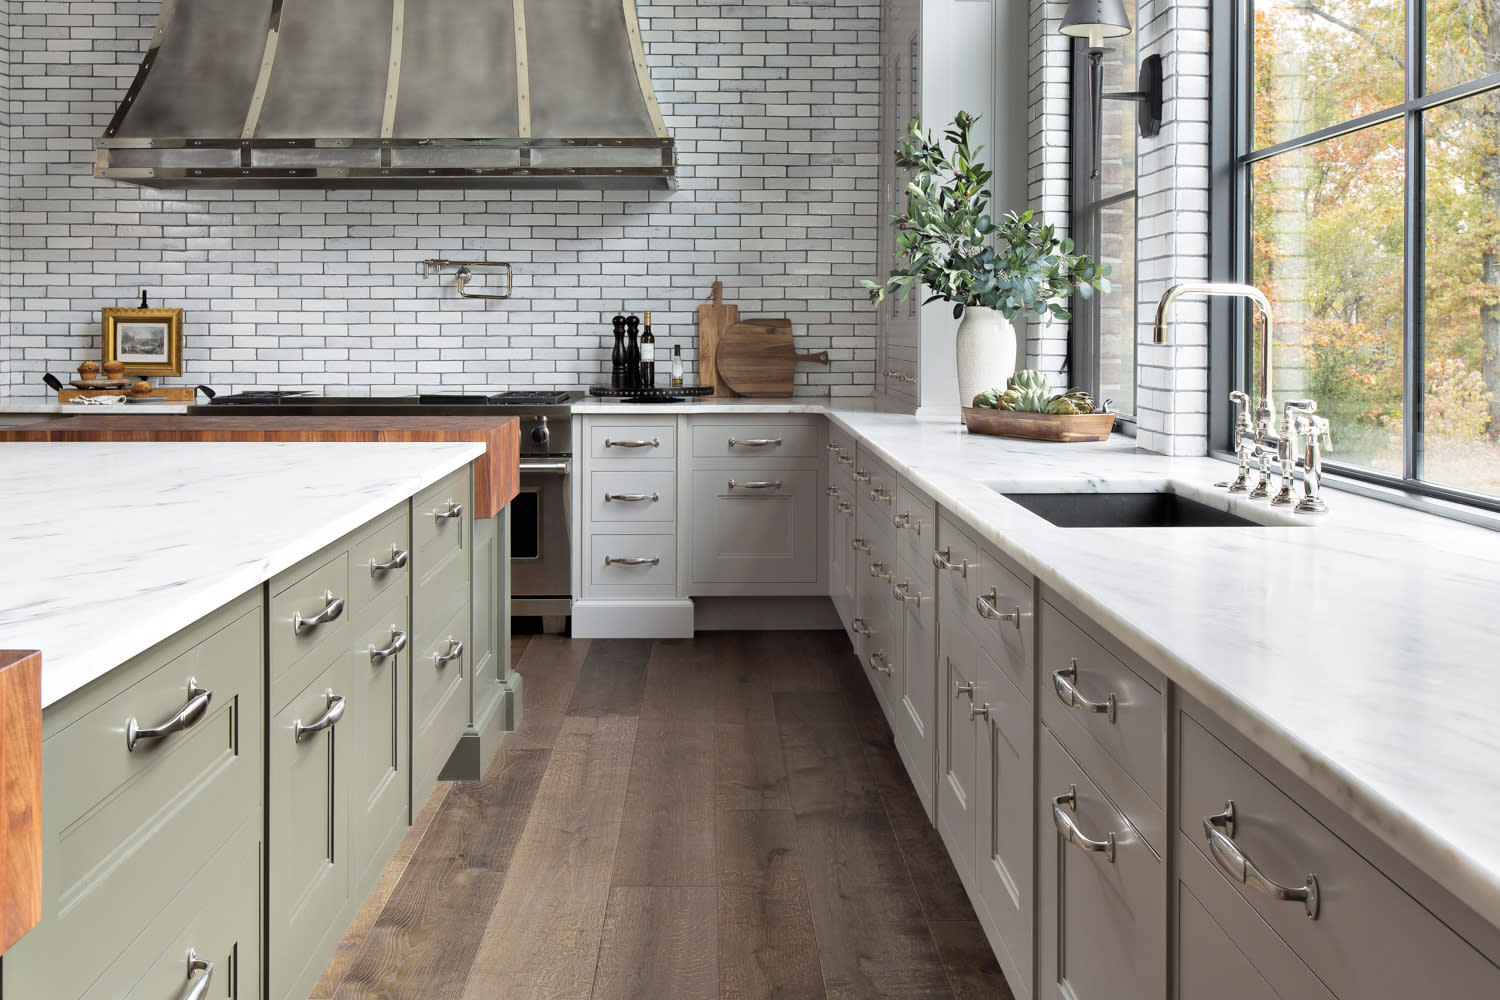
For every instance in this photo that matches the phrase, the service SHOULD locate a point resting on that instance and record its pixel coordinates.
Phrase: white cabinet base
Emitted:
(666, 619)
(765, 614)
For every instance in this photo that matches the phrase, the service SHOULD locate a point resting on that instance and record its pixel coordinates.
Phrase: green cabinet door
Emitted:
(374, 734)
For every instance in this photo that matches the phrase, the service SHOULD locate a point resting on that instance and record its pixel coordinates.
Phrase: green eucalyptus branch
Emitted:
(947, 240)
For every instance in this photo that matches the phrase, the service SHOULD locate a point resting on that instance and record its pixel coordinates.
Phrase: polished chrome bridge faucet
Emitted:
(1261, 439)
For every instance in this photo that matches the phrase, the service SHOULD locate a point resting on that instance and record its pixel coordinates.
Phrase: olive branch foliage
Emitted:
(947, 240)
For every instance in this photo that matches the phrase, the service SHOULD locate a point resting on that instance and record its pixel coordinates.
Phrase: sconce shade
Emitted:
(1095, 20)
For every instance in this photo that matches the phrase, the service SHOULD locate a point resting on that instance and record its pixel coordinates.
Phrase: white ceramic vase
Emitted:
(986, 345)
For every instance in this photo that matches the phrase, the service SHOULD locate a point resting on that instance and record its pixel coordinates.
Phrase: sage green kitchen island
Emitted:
(257, 661)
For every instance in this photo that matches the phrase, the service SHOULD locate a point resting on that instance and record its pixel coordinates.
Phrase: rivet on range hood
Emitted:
(375, 93)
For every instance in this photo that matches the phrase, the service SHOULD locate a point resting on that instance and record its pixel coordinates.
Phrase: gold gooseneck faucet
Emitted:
(1260, 438)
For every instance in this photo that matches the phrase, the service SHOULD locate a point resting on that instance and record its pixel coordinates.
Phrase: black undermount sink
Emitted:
(1126, 510)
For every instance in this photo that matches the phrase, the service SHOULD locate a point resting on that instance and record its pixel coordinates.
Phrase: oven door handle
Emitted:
(547, 468)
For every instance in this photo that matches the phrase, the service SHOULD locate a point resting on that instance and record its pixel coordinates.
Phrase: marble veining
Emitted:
(109, 548)
(1358, 648)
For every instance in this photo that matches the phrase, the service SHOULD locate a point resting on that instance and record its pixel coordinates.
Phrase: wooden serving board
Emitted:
(759, 359)
(713, 320)
(172, 394)
(496, 472)
(20, 793)
(1039, 426)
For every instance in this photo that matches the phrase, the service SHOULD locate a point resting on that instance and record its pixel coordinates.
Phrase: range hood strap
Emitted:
(263, 81)
(163, 19)
(523, 77)
(642, 74)
(393, 75)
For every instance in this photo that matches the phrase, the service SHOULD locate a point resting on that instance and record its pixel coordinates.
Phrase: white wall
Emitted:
(774, 108)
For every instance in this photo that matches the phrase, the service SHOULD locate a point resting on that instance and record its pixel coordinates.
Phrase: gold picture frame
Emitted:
(146, 341)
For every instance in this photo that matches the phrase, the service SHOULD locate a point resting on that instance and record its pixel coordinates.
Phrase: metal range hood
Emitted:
(376, 93)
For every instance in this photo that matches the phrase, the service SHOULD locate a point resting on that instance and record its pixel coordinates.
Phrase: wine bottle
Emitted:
(617, 356)
(676, 366)
(648, 355)
(632, 352)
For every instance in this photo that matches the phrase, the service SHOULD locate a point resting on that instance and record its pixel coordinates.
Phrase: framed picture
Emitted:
(146, 341)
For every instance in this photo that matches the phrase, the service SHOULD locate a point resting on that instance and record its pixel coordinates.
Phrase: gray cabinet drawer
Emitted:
(217, 917)
(755, 528)
(632, 441)
(301, 598)
(1102, 923)
(747, 440)
(956, 556)
(627, 496)
(630, 565)
(124, 831)
(380, 557)
(1075, 668)
(1004, 614)
(436, 519)
(915, 518)
(1370, 940)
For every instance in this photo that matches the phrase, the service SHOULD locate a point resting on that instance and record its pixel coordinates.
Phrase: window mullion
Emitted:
(1415, 224)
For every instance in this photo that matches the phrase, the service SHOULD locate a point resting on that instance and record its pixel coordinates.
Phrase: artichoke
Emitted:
(1081, 401)
(989, 399)
(1029, 379)
(1061, 404)
(1032, 401)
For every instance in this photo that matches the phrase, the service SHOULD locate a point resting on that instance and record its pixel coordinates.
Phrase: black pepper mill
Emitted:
(633, 352)
(617, 367)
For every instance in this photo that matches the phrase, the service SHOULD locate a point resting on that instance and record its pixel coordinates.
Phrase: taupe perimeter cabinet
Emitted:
(298, 728)
(1118, 840)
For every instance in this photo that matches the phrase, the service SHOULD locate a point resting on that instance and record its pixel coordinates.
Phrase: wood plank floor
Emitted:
(724, 816)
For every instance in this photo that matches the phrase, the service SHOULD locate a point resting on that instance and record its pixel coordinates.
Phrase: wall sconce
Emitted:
(1097, 20)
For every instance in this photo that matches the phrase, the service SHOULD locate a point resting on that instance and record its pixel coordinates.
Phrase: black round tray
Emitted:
(654, 394)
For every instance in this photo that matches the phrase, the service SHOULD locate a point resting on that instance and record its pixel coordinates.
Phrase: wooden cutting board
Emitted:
(713, 320)
(758, 359)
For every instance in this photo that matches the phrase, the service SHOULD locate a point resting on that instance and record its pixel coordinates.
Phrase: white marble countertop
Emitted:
(1359, 648)
(39, 404)
(109, 548)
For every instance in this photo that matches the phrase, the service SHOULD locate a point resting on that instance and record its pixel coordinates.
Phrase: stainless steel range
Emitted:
(541, 515)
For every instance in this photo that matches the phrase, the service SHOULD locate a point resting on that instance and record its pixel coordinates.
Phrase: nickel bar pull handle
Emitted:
(1069, 829)
(332, 608)
(985, 605)
(652, 443)
(1238, 866)
(452, 510)
(455, 650)
(398, 560)
(197, 989)
(327, 720)
(632, 560)
(188, 716)
(398, 643)
(1064, 686)
(755, 442)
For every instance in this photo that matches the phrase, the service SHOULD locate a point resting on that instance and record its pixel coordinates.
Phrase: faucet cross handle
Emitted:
(1303, 405)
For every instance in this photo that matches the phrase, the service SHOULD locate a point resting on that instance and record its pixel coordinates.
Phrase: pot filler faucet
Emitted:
(1262, 439)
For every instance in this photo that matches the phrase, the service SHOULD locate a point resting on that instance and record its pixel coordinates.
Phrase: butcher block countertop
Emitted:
(496, 473)
(20, 793)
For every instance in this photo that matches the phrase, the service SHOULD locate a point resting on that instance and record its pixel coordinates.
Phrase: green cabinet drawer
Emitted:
(216, 919)
(307, 826)
(308, 610)
(375, 732)
(380, 556)
(441, 512)
(123, 830)
(439, 700)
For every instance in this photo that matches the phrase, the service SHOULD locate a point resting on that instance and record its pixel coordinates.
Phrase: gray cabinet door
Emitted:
(308, 824)
(957, 799)
(1005, 855)
(840, 521)
(755, 532)
(915, 724)
(1101, 920)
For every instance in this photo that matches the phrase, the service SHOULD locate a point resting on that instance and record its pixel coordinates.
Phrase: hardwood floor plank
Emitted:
(544, 932)
(972, 970)
(659, 942)
(825, 761)
(518, 644)
(549, 668)
(667, 830)
(932, 873)
(767, 947)
(749, 769)
(426, 937)
(343, 958)
(681, 681)
(612, 680)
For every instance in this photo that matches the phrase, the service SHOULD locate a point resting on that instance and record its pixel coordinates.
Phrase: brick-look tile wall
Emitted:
(1172, 243)
(1049, 174)
(774, 108)
(5, 252)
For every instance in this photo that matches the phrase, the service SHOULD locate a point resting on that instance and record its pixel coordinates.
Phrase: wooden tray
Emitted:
(1039, 426)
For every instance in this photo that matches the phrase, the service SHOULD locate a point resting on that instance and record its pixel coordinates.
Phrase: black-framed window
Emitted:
(1364, 165)
(1102, 338)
